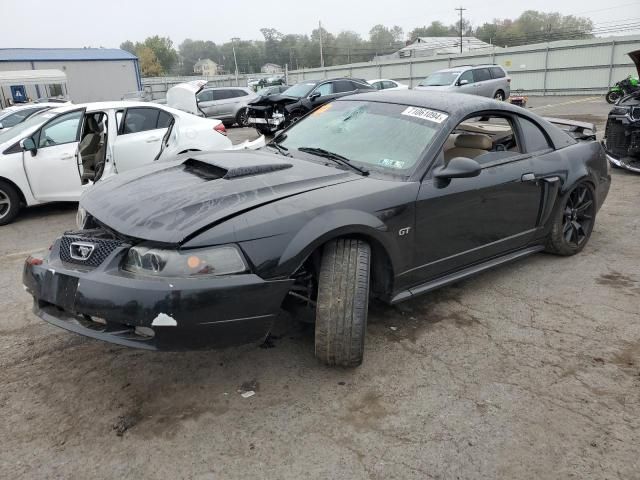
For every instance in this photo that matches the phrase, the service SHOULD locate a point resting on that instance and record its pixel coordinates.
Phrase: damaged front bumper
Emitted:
(274, 121)
(628, 163)
(108, 304)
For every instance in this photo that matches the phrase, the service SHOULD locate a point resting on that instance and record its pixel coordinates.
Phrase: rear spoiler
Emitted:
(577, 130)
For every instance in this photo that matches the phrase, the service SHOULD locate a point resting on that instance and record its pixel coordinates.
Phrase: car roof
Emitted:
(104, 106)
(381, 80)
(462, 68)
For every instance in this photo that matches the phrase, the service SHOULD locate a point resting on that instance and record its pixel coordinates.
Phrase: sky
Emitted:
(94, 24)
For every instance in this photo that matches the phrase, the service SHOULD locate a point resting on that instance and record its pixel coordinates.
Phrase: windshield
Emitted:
(299, 90)
(439, 79)
(370, 134)
(35, 121)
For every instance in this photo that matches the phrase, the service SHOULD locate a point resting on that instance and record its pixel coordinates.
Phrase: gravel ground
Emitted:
(531, 370)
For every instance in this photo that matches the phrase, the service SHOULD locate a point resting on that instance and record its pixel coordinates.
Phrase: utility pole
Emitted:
(460, 9)
(235, 61)
(321, 55)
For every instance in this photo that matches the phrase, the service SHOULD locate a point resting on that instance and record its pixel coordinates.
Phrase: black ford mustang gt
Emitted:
(390, 194)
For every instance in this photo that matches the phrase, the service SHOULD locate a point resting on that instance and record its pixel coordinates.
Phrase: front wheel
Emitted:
(342, 304)
(9, 203)
(242, 117)
(263, 130)
(613, 96)
(573, 223)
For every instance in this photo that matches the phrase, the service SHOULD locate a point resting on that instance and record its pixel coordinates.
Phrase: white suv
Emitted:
(484, 80)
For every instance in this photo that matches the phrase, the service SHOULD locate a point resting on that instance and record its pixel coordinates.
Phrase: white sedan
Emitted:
(57, 154)
(386, 84)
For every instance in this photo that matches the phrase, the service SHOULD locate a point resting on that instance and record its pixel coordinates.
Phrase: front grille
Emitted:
(618, 141)
(102, 249)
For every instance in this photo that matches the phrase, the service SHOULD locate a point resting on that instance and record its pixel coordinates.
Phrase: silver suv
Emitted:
(228, 104)
(484, 80)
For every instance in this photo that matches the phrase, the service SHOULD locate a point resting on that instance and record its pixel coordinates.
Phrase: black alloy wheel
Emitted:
(574, 222)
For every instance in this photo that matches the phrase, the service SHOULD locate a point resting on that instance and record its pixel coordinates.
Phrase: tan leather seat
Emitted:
(469, 146)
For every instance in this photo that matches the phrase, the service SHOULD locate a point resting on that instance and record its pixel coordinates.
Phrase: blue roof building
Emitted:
(93, 74)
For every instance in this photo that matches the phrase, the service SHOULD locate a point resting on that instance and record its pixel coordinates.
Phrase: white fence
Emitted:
(568, 67)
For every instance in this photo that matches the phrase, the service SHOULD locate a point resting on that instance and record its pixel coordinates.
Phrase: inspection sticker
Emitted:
(426, 114)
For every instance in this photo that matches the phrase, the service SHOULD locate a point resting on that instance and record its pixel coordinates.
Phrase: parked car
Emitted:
(57, 154)
(275, 112)
(484, 80)
(12, 116)
(387, 195)
(622, 134)
(228, 104)
(386, 84)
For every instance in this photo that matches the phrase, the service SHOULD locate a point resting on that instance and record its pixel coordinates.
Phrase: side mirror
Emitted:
(458, 167)
(463, 82)
(314, 95)
(28, 145)
(1, 126)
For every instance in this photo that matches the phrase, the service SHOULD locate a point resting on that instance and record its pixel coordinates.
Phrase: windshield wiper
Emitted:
(275, 144)
(336, 157)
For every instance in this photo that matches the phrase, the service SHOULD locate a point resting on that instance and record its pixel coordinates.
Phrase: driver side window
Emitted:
(61, 130)
(324, 89)
(468, 76)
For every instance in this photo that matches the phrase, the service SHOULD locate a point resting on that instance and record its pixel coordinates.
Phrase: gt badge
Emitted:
(404, 231)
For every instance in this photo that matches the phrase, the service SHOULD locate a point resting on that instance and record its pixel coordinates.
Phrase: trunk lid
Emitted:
(184, 96)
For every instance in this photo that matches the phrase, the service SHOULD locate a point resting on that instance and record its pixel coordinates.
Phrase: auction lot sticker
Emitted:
(426, 114)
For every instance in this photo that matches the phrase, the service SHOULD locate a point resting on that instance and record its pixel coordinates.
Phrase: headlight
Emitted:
(81, 218)
(209, 262)
(618, 111)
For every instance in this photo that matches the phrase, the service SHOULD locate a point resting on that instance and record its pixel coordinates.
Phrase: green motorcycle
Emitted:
(622, 88)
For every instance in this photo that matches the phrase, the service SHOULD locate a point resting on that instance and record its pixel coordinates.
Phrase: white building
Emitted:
(430, 46)
(206, 67)
(271, 68)
(93, 74)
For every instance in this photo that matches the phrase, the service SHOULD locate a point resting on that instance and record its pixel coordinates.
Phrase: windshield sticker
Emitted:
(389, 163)
(426, 114)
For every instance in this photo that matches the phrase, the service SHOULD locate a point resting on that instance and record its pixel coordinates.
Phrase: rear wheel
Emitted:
(613, 96)
(499, 96)
(9, 202)
(342, 304)
(573, 222)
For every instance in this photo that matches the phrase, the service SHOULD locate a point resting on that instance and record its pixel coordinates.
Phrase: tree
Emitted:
(149, 64)
(163, 49)
(128, 46)
(382, 39)
(190, 51)
(436, 29)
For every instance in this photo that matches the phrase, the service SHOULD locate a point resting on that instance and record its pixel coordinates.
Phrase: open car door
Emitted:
(52, 168)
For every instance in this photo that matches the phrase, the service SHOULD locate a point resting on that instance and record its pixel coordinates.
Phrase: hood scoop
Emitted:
(211, 171)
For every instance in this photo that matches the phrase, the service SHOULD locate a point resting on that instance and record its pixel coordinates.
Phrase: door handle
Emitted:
(67, 157)
(152, 139)
(528, 177)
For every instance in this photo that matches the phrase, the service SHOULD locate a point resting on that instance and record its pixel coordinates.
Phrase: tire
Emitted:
(342, 304)
(9, 202)
(499, 95)
(612, 96)
(242, 117)
(578, 207)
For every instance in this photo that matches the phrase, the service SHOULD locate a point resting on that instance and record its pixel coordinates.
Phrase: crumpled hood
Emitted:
(170, 201)
(273, 99)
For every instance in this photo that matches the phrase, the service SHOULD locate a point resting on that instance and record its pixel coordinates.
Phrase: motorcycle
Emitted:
(622, 88)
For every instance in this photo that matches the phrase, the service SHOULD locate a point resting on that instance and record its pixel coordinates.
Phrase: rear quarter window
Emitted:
(534, 138)
(481, 74)
(497, 72)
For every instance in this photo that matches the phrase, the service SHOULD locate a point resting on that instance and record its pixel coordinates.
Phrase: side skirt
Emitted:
(461, 274)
